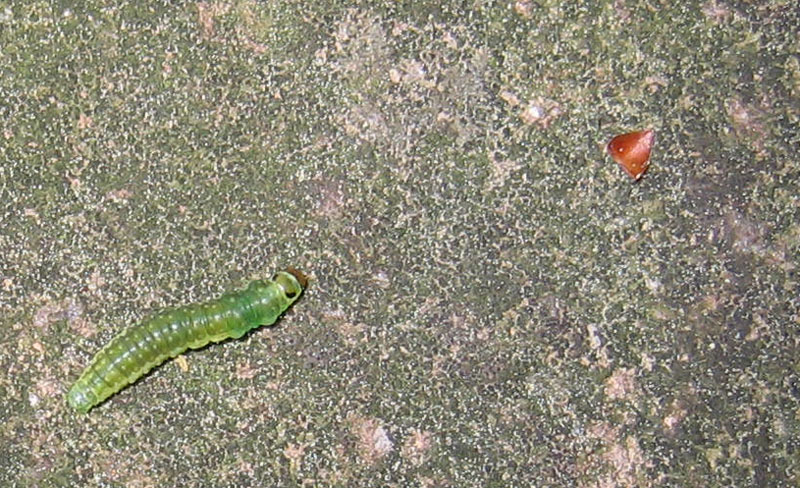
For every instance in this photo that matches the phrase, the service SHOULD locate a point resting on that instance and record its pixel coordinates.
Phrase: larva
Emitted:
(140, 348)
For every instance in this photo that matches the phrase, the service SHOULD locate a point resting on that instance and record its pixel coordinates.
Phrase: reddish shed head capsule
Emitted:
(632, 151)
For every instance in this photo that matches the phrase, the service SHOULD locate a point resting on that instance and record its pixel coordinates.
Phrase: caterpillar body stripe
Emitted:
(140, 348)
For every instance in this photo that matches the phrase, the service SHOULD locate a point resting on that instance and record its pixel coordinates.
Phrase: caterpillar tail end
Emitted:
(81, 400)
(301, 278)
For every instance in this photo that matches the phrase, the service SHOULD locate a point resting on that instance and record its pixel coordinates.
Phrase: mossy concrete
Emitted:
(493, 301)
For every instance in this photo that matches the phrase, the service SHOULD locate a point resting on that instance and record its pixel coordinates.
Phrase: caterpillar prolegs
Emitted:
(140, 348)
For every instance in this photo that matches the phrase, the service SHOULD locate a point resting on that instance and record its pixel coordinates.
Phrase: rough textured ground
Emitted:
(493, 301)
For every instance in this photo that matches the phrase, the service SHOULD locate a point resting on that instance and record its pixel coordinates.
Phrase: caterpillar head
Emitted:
(292, 282)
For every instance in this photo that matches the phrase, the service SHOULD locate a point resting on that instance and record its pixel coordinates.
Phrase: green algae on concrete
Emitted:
(492, 302)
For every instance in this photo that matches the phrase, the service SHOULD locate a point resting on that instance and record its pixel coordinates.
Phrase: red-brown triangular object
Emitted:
(632, 151)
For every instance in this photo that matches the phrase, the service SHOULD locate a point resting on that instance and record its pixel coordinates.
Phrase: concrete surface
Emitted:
(493, 301)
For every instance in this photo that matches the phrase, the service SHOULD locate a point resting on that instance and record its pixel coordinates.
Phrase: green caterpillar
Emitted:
(138, 349)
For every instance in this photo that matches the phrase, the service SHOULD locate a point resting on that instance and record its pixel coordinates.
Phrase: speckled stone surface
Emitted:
(493, 302)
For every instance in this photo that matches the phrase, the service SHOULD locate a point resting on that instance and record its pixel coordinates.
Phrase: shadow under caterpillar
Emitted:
(140, 348)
